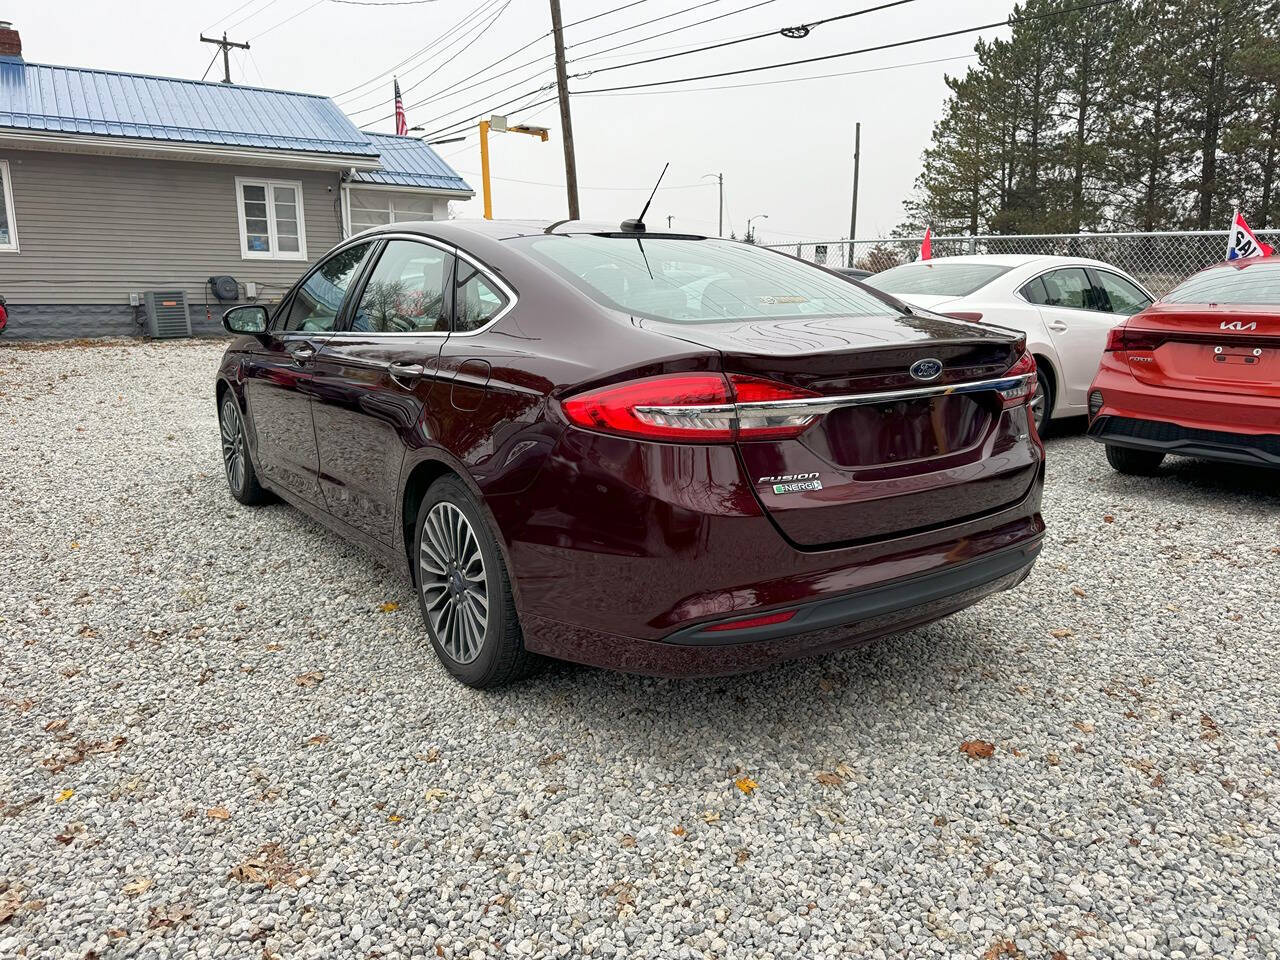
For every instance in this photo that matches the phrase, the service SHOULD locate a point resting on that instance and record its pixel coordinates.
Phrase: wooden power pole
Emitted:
(853, 212)
(562, 83)
(226, 46)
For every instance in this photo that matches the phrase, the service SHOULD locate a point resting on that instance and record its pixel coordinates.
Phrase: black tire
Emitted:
(242, 479)
(1138, 463)
(501, 657)
(1045, 390)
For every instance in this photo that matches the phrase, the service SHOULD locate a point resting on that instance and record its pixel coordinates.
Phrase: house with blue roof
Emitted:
(114, 186)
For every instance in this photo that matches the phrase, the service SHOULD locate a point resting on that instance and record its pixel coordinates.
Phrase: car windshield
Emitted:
(687, 280)
(936, 278)
(1257, 283)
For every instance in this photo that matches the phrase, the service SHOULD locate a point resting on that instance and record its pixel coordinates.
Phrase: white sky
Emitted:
(785, 149)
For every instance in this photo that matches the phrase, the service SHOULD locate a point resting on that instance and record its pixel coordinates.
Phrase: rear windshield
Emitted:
(936, 278)
(697, 281)
(1256, 283)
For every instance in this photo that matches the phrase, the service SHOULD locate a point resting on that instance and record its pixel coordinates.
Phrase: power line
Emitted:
(447, 92)
(287, 19)
(545, 183)
(848, 53)
(253, 13)
(227, 16)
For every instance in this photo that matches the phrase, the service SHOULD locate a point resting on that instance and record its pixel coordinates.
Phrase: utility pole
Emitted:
(226, 46)
(669, 219)
(853, 212)
(562, 83)
(720, 178)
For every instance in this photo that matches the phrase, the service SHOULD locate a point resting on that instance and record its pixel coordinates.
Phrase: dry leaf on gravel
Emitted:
(66, 794)
(308, 679)
(1084, 726)
(977, 749)
(389, 607)
(1078, 592)
(550, 758)
(743, 856)
(746, 785)
(140, 885)
(435, 793)
(627, 840)
(167, 916)
(679, 831)
(53, 726)
(1208, 728)
(318, 740)
(1108, 518)
(830, 779)
(268, 866)
(1061, 633)
(218, 813)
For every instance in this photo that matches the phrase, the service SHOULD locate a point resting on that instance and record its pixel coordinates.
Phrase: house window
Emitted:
(375, 208)
(271, 223)
(8, 227)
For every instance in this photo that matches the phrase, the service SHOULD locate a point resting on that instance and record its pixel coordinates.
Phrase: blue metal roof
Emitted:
(39, 97)
(408, 162)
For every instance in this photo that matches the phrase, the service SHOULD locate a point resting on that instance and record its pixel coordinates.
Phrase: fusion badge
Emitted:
(793, 482)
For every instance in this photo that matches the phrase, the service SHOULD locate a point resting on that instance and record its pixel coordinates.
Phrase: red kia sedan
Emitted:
(1197, 373)
(661, 453)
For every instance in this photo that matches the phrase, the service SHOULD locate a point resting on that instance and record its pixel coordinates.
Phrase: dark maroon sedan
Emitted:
(659, 453)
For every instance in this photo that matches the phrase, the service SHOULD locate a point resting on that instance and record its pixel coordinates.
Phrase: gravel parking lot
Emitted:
(224, 734)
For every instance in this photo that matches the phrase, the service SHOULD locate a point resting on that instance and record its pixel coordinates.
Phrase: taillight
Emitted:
(764, 620)
(1023, 392)
(970, 315)
(1122, 339)
(692, 408)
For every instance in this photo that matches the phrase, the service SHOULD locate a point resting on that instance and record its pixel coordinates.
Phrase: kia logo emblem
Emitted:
(927, 369)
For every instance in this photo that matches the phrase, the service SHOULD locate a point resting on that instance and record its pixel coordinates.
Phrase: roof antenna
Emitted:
(637, 225)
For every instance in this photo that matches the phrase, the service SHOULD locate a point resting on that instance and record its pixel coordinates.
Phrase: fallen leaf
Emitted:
(66, 794)
(140, 885)
(1084, 726)
(1078, 592)
(1061, 632)
(743, 856)
(679, 831)
(1209, 729)
(319, 739)
(830, 779)
(435, 793)
(711, 816)
(394, 818)
(977, 749)
(746, 785)
(218, 813)
(627, 840)
(1158, 780)
(1108, 518)
(55, 725)
(308, 679)
(75, 545)
(389, 607)
(1053, 759)
(550, 758)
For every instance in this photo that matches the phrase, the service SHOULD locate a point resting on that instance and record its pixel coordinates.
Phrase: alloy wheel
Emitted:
(453, 584)
(232, 443)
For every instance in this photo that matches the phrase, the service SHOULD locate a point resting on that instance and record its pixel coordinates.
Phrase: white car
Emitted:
(1064, 305)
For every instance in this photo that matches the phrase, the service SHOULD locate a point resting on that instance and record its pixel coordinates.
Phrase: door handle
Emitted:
(301, 354)
(405, 373)
(1057, 326)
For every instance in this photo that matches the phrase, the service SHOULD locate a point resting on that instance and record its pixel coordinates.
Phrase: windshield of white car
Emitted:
(936, 278)
(686, 280)
(1254, 283)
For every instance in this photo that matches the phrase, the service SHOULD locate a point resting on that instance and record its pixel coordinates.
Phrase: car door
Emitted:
(1075, 313)
(279, 375)
(1123, 297)
(374, 376)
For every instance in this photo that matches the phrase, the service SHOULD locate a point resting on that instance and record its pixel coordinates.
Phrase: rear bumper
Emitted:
(817, 628)
(1258, 449)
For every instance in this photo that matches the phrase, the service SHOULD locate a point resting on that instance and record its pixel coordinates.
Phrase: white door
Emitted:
(1076, 314)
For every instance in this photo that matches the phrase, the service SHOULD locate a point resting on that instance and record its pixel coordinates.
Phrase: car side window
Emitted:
(316, 303)
(407, 291)
(1122, 296)
(1035, 292)
(476, 301)
(1070, 287)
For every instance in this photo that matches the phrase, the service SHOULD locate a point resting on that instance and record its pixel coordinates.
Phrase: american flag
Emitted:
(402, 126)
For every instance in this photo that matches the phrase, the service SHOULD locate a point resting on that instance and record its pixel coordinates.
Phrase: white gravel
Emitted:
(169, 787)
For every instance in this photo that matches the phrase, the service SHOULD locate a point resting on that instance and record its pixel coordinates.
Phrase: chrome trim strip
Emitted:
(822, 405)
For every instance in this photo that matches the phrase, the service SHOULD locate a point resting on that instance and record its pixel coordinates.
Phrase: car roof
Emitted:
(1023, 260)
(509, 229)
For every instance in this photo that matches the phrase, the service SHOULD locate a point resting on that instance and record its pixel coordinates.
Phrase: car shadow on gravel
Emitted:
(1186, 481)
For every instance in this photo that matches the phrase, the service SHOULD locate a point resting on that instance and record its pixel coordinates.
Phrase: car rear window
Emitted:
(936, 278)
(697, 281)
(1255, 283)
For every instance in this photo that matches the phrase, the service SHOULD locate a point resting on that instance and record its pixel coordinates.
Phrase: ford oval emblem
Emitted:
(927, 369)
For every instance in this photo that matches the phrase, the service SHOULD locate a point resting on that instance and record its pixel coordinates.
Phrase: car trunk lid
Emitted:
(1228, 349)
(893, 452)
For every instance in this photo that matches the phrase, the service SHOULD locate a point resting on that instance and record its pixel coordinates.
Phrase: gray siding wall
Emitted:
(93, 229)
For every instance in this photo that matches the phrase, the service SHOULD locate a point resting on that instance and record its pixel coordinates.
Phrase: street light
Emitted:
(499, 124)
(758, 216)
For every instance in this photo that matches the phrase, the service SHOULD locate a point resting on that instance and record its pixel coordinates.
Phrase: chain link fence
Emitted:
(1160, 261)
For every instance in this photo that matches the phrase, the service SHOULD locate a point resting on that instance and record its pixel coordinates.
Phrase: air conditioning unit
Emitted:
(166, 313)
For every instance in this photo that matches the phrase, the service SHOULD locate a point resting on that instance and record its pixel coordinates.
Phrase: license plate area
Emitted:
(907, 430)
(1240, 356)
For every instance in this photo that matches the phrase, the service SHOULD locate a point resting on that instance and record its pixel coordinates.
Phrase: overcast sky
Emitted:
(786, 149)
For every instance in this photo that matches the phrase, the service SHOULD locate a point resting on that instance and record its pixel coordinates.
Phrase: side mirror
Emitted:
(250, 318)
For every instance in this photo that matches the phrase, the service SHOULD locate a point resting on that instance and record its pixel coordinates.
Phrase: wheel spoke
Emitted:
(452, 575)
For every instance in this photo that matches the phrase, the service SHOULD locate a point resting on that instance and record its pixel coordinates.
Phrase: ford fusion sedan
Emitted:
(1064, 306)
(1196, 374)
(665, 454)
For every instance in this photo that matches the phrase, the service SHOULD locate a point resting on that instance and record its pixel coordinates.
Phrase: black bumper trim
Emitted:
(1159, 436)
(901, 595)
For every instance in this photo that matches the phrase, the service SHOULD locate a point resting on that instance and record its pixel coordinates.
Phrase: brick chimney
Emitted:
(10, 41)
